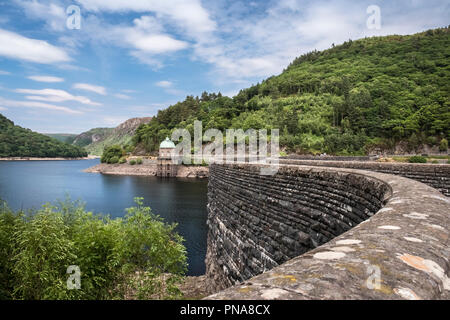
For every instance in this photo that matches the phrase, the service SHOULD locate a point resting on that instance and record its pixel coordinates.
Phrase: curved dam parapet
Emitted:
(325, 233)
(434, 175)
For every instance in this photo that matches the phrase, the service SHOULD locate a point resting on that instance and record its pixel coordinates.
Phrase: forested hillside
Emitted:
(350, 99)
(63, 137)
(16, 141)
(97, 139)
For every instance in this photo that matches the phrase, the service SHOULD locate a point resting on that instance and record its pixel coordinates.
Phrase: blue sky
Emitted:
(132, 57)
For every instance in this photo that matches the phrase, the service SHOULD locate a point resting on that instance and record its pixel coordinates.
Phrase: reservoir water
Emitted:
(29, 184)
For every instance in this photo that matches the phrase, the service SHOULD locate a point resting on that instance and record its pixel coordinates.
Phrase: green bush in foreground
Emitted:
(132, 162)
(138, 161)
(417, 159)
(138, 256)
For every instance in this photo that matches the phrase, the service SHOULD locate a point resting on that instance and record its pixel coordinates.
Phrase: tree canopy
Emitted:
(16, 141)
(373, 92)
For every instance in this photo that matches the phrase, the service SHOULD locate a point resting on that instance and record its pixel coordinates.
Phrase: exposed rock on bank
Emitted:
(147, 170)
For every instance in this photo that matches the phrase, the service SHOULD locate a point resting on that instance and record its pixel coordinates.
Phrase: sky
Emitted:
(69, 66)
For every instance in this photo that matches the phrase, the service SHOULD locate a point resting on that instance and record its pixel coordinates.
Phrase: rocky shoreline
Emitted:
(146, 170)
(45, 159)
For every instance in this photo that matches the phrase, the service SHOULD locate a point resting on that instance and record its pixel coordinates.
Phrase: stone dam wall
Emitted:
(434, 175)
(325, 233)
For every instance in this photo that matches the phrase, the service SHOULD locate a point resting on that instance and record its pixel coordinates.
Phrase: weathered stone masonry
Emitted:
(312, 233)
(434, 175)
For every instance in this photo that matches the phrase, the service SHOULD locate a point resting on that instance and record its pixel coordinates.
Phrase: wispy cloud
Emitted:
(168, 87)
(145, 40)
(4, 73)
(186, 14)
(53, 13)
(54, 95)
(122, 96)
(164, 84)
(36, 104)
(46, 79)
(249, 46)
(15, 46)
(90, 87)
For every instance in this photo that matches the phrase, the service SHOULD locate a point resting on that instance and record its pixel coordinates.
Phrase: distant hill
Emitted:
(16, 141)
(63, 137)
(370, 94)
(95, 140)
(92, 136)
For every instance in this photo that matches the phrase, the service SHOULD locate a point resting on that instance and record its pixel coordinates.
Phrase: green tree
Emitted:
(112, 154)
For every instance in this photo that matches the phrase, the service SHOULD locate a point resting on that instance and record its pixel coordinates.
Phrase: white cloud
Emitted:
(39, 105)
(4, 73)
(15, 46)
(46, 79)
(164, 84)
(156, 43)
(3, 109)
(186, 14)
(243, 42)
(122, 96)
(145, 39)
(249, 46)
(168, 87)
(90, 87)
(54, 95)
(54, 14)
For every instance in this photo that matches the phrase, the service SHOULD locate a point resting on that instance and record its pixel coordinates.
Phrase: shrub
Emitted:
(132, 162)
(443, 146)
(43, 253)
(138, 161)
(111, 152)
(122, 160)
(137, 256)
(9, 224)
(128, 148)
(417, 159)
(113, 160)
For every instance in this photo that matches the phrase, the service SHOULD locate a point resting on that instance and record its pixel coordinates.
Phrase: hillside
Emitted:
(95, 140)
(16, 141)
(63, 137)
(370, 94)
(92, 136)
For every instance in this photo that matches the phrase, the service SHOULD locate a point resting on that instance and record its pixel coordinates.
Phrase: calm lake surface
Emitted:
(29, 184)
